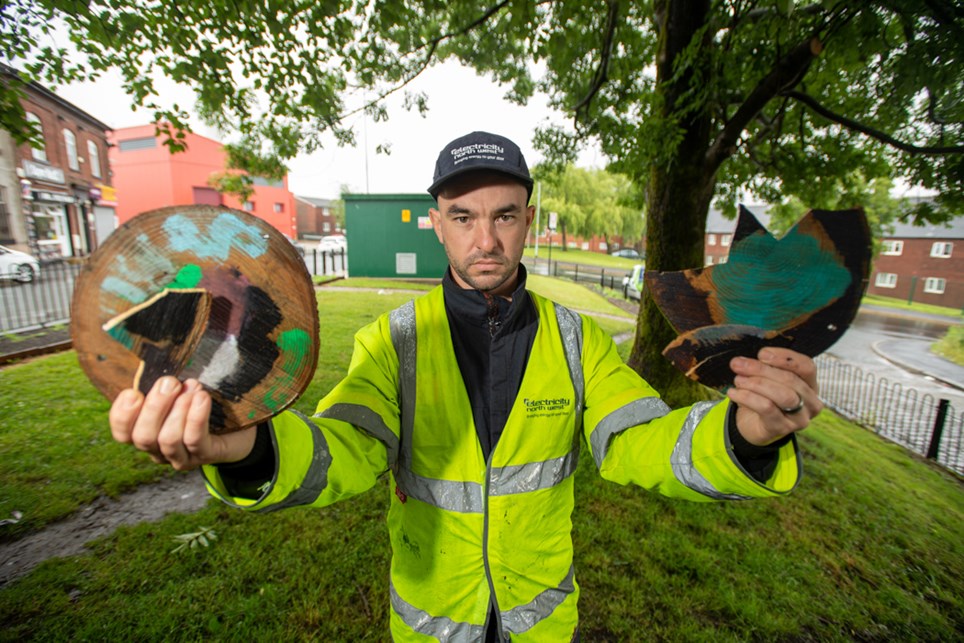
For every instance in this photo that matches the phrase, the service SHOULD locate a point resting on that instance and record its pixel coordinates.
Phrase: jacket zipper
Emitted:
(493, 600)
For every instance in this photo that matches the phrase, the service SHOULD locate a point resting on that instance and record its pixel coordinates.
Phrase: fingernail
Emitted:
(167, 384)
(192, 385)
(766, 356)
(738, 362)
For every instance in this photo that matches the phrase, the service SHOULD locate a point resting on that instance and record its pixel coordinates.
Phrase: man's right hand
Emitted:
(170, 424)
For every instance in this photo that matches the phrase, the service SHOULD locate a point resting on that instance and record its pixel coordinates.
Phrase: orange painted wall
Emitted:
(151, 178)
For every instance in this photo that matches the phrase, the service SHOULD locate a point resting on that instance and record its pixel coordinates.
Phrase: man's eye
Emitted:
(460, 219)
(507, 218)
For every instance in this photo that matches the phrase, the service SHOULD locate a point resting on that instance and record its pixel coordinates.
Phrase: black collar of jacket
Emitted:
(472, 307)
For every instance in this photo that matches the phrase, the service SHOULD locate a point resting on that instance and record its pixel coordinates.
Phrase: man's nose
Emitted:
(486, 238)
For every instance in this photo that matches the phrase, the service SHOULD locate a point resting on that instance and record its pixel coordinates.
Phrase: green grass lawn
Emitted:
(900, 304)
(868, 548)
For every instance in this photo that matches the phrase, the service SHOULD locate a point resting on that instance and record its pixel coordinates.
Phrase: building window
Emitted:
(725, 239)
(40, 149)
(6, 234)
(893, 248)
(132, 144)
(935, 285)
(711, 239)
(326, 227)
(249, 206)
(886, 280)
(279, 207)
(709, 260)
(942, 249)
(271, 183)
(720, 260)
(94, 156)
(70, 141)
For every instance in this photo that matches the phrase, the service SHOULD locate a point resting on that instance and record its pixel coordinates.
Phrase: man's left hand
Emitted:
(776, 394)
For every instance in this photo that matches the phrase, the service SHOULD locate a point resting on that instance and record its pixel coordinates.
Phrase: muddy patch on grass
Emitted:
(178, 494)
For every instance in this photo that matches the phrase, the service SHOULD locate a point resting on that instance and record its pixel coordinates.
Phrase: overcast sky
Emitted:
(459, 102)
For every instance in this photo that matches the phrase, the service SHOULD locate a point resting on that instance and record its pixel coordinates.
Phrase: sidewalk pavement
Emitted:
(915, 355)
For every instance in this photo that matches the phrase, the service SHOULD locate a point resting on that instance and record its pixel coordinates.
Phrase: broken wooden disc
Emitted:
(199, 292)
(801, 292)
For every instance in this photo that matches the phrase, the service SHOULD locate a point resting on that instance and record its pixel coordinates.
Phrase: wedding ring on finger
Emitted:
(794, 409)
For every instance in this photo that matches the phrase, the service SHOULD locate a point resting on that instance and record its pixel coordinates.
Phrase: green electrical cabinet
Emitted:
(391, 235)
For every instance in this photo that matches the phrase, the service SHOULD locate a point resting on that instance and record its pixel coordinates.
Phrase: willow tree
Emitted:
(693, 100)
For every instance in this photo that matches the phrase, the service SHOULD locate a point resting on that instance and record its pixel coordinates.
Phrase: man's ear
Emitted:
(436, 218)
(530, 216)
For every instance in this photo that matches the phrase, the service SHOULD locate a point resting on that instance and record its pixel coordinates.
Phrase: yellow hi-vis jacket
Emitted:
(467, 532)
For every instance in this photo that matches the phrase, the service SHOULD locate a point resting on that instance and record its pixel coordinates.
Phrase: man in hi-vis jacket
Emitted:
(477, 399)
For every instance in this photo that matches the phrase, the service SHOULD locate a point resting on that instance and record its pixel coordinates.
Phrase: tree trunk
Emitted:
(562, 227)
(679, 195)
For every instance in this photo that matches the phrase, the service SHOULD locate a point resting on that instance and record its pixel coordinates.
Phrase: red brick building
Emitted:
(148, 176)
(57, 200)
(315, 218)
(922, 264)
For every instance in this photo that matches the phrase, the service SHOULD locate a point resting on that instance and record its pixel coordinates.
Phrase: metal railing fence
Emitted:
(40, 303)
(605, 277)
(922, 423)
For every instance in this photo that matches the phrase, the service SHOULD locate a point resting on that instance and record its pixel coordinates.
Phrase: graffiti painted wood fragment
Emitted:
(801, 292)
(199, 292)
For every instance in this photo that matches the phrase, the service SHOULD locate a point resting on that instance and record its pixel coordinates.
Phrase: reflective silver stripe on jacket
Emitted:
(316, 479)
(441, 627)
(570, 327)
(367, 420)
(467, 497)
(682, 457)
(515, 621)
(520, 619)
(401, 323)
(636, 412)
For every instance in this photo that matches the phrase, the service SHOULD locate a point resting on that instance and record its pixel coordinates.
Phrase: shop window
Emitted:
(40, 149)
(893, 247)
(70, 143)
(942, 249)
(93, 155)
(935, 285)
(886, 280)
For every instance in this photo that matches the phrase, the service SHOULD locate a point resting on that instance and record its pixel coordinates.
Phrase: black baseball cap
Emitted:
(480, 151)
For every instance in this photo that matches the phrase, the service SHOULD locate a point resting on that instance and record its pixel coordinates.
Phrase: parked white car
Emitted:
(17, 265)
(333, 243)
(633, 283)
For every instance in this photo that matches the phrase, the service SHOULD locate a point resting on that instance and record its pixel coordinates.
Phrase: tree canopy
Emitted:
(691, 100)
(591, 202)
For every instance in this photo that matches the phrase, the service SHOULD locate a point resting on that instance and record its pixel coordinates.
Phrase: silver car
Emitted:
(18, 266)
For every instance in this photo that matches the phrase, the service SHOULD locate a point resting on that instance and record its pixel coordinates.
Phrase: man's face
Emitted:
(482, 220)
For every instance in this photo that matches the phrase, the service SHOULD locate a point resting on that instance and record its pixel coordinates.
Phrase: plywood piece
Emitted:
(199, 292)
(800, 292)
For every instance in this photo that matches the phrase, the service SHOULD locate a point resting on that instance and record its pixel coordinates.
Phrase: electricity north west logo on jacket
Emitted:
(547, 407)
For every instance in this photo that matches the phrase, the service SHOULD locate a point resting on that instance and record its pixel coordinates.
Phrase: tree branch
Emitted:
(786, 73)
(432, 46)
(602, 71)
(851, 124)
